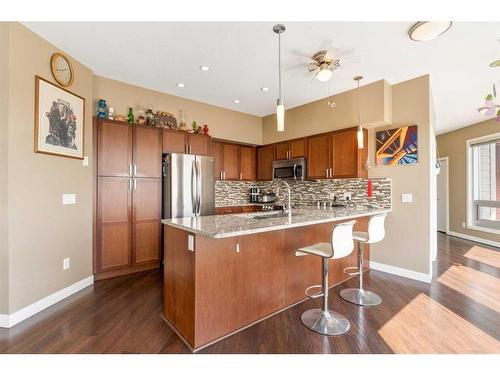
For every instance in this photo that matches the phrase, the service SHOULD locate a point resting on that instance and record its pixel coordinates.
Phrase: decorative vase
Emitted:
(205, 129)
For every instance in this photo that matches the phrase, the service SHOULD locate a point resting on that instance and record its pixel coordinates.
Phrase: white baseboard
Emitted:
(474, 238)
(426, 278)
(7, 321)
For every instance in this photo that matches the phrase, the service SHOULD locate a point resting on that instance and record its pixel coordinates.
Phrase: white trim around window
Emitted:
(471, 223)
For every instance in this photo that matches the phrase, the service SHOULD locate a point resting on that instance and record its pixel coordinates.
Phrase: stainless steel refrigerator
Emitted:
(188, 186)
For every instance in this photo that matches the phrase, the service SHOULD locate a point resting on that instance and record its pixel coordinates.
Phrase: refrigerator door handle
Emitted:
(198, 187)
(193, 187)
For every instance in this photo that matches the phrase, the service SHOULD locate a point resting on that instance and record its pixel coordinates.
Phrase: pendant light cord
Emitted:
(279, 64)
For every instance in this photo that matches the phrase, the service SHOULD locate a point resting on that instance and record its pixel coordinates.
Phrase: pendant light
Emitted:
(359, 133)
(280, 108)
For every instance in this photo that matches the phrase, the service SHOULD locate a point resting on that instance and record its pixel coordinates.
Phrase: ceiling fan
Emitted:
(323, 64)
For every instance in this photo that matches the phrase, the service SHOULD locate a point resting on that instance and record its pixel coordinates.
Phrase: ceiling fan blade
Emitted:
(302, 55)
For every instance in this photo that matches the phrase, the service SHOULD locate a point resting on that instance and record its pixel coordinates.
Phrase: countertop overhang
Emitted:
(231, 225)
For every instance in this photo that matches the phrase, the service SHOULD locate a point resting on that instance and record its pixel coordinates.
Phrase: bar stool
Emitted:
(323, 320)
(376, 233)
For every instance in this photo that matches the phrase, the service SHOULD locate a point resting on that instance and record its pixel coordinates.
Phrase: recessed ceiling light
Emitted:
(180, 84)
(236, 101)
(428, 30)
(205, 68)
(264, 89)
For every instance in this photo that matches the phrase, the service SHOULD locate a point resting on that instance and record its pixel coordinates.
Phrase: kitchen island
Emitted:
(223, 273)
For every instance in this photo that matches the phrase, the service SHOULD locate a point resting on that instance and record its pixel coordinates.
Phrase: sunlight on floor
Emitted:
(487, 256)
(426, 326)
(477, 285)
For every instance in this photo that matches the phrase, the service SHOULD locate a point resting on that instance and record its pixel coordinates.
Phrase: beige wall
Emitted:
(453, 145)
(407, 241)
(4, 118)
(41, 230)
(223, 123)
(317, 117)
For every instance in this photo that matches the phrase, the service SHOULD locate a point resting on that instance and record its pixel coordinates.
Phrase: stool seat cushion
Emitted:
(360, 236)
(321, 249)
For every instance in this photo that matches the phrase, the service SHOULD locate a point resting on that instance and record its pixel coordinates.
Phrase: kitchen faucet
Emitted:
(288, 208)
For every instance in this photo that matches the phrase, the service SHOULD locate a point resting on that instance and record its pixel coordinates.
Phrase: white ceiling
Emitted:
(243, 58)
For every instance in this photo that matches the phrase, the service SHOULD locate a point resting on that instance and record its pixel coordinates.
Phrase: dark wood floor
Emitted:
(458, 313)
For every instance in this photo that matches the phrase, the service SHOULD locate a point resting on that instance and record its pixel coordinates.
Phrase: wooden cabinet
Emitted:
(146, 220)
(180, 142)
(265, 158)
(234, 161)
(295, 148)
(318, 156)
(336, 155)
(128, 198)
(248, 163)
(114, 148)
(228, 210)
(114, 231)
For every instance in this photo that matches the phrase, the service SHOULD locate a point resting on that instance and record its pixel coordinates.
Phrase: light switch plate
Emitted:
(406, 198)
(66, 264)
(190, 242)
(85, 161)
(69, 199)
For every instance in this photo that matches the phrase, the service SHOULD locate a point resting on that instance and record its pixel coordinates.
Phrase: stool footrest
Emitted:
(348, 271)
(317, 294)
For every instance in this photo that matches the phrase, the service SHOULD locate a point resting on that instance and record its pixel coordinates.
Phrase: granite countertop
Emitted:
(223, 226)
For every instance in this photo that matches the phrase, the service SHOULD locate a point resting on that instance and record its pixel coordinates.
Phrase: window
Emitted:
(484, 183)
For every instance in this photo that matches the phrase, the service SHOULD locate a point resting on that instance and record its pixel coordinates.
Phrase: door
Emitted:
(442, 196)
(114, 148)
(146, 218)
(231, 170)
(218, 155)
(182, 184)
(147, 151)
(345, 154)
(174, 141)
(199, 144)
(114, 205)
(318, 156)
(247, 163)
(282, 150)
(205, 185)
(298, 148)
(265, 158)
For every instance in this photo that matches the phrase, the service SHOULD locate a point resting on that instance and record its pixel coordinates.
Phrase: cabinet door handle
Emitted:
(224, 174)
(130, 170)
(221, 175)
(135, 183)
(135, 169)
(241, 176)
(326, 172)
(130, 184)
(331, 172)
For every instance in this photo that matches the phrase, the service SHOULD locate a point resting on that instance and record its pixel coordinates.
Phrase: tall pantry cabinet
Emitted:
(127, 196)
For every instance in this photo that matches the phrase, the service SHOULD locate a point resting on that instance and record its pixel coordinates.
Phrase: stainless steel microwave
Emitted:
(290, 169)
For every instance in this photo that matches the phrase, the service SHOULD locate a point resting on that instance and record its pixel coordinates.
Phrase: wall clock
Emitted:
(62, 70)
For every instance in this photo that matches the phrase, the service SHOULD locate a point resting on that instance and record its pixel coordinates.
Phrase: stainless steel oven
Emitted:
(290, 169)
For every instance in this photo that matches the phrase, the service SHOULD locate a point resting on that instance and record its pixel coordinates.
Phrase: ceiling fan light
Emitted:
(427, 30)
(324, 74)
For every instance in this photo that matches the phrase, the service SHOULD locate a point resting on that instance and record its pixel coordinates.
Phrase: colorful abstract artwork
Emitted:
(397, 146)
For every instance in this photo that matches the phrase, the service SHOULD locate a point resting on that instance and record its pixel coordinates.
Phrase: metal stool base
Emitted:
(327, 323)
(360, 297)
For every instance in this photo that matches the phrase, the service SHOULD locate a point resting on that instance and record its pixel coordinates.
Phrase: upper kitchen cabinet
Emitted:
(295, 148)
(265, 158)
(234, 162)
(319, 156)
(147, 151)
(248, 163)
(181, 142)
(336, 155)
(114, 140)
(174, 141)
(348, 161)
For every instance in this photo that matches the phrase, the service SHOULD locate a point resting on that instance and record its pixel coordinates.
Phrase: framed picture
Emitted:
(59, 120)
(397, 146)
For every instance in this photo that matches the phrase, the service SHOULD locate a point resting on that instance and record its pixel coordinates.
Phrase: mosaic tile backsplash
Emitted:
(308, 193)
